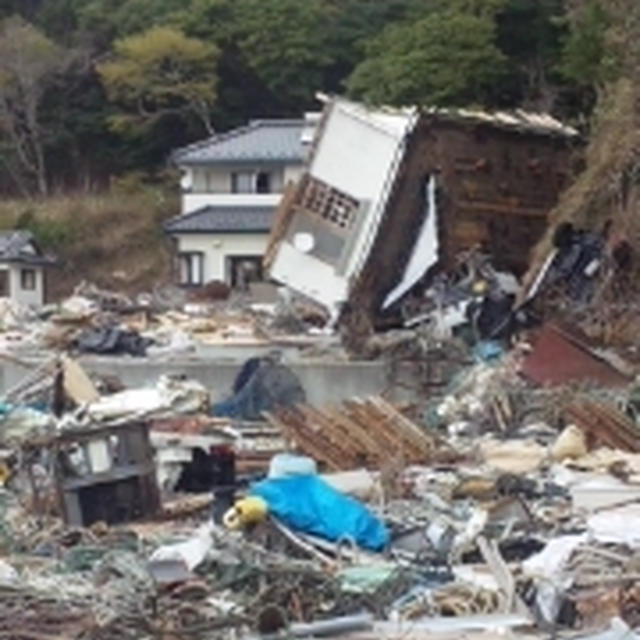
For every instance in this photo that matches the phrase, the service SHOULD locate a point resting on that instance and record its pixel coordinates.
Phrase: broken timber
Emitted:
(604, 425)
(359, 433)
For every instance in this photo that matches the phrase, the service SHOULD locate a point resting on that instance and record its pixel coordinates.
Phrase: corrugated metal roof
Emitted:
(259, 141)
(212, 219)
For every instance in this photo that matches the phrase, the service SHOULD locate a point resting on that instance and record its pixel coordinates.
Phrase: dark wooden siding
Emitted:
(495, 189)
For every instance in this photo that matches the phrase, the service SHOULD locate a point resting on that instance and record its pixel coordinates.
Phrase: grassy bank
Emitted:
(114, 239)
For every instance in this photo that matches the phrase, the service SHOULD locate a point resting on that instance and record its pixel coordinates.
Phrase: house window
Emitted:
(251, 182)
(242, 182)
(263, 182)
(191, 268)
(5, 289)
(28, 279)
(243, 270)
(329, 203)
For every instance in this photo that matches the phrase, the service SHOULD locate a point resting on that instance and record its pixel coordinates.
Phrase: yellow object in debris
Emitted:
(479, 287)
(5, 473)
(570, 445)
(246, 511)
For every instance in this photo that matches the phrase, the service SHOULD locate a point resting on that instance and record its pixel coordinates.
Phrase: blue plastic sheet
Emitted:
(488, 351)
(310, 505)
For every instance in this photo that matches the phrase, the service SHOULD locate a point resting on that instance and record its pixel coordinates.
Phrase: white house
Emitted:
(231, 186)
(22, 266)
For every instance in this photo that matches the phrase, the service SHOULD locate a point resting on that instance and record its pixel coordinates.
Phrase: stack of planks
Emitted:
(361, 433)
(604, 425)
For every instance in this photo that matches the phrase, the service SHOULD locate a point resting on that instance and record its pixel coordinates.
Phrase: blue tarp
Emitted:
(310, 505)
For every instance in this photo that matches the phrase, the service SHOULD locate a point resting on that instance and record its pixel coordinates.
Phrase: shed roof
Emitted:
(518, 120)
(539, 123)
(19, 246)
(259, 141)
(218, 219)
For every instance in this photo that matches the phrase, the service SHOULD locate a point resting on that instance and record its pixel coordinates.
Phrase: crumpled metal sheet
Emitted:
(558, 360)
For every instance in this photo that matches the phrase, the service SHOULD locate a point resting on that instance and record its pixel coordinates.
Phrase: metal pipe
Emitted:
(345, 624)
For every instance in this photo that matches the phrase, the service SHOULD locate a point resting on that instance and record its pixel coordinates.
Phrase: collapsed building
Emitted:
(391, 196)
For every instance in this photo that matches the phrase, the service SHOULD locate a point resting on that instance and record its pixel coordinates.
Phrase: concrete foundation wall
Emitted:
(324, 382)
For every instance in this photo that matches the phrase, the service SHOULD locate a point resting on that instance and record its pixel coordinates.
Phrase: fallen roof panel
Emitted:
(557, 359)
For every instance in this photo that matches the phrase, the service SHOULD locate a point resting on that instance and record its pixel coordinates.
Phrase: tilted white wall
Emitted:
(216, 247)
(308, 275)
(354, 156)
(358, 152)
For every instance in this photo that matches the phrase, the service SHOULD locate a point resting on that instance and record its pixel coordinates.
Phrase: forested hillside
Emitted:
(93, 88)
(93, 91)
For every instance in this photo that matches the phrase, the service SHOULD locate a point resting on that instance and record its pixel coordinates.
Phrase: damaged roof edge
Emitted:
(535, 122)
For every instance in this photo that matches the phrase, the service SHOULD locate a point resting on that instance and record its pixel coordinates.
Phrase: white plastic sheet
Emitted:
(192, 551)
(550, 562)
(618, 526)
(425, 250)
(168, 398)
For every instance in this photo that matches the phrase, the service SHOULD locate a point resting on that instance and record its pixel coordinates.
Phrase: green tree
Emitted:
(160, 72)
(284, 42)
(585, 56)
(446, 58)
(531, 34)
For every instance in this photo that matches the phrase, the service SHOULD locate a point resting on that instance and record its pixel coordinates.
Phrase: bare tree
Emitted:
(29, 62)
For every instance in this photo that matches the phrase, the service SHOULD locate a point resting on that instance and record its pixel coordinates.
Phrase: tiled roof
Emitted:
(218, 219)
(259, 141)
(19, 246)
(12, 242)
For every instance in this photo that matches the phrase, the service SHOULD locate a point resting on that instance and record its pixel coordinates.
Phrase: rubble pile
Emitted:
(96, 321)
(492, 489)
(494, 506)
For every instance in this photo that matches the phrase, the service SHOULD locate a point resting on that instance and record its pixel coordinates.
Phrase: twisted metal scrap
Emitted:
(28, 615)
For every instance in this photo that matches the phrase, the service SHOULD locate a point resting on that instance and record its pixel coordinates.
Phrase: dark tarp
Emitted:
(260, 386)
(114, 341)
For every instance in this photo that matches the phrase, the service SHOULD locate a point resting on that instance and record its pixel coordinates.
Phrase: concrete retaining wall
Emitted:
(325, 382)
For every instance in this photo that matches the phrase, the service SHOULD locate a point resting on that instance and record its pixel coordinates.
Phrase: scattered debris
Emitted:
(605, 425)
(490, 488)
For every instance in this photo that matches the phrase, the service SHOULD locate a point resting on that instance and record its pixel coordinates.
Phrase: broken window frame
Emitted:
(335, 207)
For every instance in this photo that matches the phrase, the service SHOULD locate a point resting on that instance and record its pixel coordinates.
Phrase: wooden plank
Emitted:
(421, 439)
(387, 443)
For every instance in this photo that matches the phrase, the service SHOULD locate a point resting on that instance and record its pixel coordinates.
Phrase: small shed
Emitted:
(23, 268)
